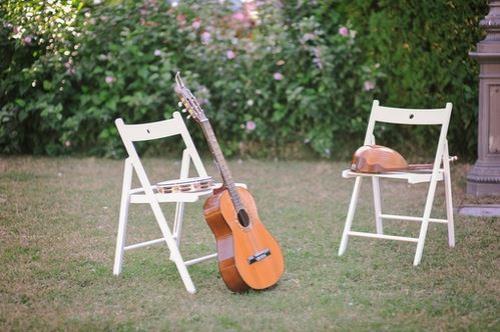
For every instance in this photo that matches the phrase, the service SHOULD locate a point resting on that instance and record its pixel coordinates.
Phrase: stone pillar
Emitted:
(484, 177)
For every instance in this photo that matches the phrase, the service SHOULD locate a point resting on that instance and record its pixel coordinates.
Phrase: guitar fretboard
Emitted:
(220, 161)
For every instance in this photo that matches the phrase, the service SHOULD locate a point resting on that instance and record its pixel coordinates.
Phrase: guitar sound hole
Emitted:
(243, 218)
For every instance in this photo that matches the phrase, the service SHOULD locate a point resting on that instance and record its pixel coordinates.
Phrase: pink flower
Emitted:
(230, 54)
(196, 24)
(206, 38)
(343, 31)
(70, 70)
(239, 16)
(27, 40)
(308, 36)
(110, 79)
(250, 125)
(277, 76)
(369, 85)
(181, 19)
(157, 53)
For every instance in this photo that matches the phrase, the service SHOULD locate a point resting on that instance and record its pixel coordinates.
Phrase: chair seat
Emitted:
(411, 177)
(175, 197)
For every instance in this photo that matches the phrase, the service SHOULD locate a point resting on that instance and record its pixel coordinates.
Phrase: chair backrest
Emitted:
(407, 116)
(131, 133)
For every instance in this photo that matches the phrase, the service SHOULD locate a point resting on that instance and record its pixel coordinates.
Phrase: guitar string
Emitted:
(229, 183)
(234, 196)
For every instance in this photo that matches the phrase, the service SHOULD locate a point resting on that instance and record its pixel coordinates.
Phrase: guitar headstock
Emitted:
(188, 100)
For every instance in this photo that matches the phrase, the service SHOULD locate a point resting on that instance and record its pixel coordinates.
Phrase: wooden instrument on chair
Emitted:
(248, 256)
(380, 159)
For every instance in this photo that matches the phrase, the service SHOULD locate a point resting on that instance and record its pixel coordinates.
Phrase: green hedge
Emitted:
(299, 80)
(422, 47)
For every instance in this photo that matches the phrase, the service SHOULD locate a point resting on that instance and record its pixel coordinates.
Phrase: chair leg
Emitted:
(177, 229)
(179, 216)
(425, 221)
(179, 208)
(172, 246)
(122, 220)
(449, 211)
(377, 205)
(448, 197)
(350, 216)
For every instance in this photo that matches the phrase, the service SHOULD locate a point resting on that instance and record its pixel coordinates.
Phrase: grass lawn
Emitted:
(58, 220)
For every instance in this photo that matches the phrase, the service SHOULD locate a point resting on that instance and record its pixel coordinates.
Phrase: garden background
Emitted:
(292, 79)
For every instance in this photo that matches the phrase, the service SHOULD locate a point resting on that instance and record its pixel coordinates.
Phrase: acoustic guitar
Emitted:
(248, 256)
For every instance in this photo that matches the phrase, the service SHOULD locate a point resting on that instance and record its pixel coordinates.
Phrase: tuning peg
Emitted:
(179, 104)
(184, 110)
(189, 116)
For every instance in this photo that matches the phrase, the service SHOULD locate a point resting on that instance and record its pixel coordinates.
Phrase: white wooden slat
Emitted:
(409, 218)
(383, 236)
(165, 198)
(162, 240)
(200, 259)
(151, 130)
(144, 244)
(411, 116)
(412, 178)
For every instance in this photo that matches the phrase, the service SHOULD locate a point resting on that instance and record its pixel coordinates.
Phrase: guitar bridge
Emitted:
(259, 256)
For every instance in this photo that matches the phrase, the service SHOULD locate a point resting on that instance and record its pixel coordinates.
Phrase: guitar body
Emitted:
(240, 264)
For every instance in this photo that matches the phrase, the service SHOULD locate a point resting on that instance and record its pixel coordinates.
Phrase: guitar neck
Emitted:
(420, 166)
(220, 161)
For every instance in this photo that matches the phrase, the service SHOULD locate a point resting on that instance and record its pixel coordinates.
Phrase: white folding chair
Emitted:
(440, 171)
(147, 193)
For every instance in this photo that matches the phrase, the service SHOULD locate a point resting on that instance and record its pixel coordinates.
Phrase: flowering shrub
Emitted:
(38, 47)
(275, 77)
(265, 81)
(295, 84)
(88, 67)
